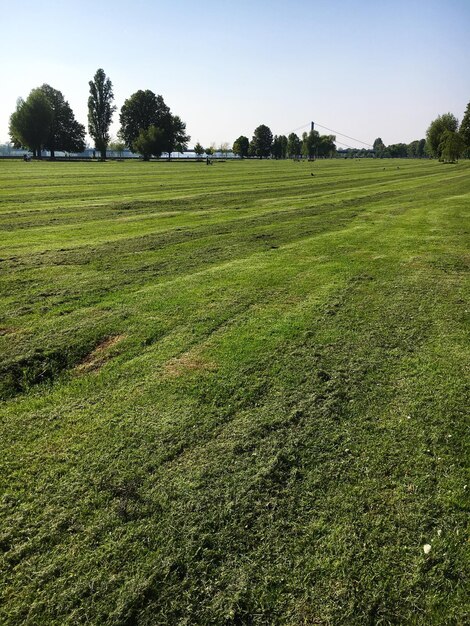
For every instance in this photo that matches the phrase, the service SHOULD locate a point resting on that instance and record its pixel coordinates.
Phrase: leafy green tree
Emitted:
(397, 150)
(198, 149)
(210, 150)
(412, 149)
(421, 152)
(262, 140)
(451, 147)
(30, 124)
(294, 146)
(100, 110)
(310, 144)
(465, 129)
(326, 146)
(241, 146)
(140, 111)
(435, 132)
(144, 109)
(279, 147)
(65, 132)
(276, 148)
(151, 141)
(224, 148)
(117, 146)
(379, 147)
(176, 137)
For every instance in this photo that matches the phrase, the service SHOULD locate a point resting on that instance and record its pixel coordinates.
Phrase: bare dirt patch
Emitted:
(7, 330)
(99, 356)
(188, 362)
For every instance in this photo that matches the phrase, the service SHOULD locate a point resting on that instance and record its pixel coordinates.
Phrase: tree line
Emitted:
(264, 144)
(45, 121)
(445, 140)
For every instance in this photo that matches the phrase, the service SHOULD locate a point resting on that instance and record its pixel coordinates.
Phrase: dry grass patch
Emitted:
(188, 362)
(99, 356)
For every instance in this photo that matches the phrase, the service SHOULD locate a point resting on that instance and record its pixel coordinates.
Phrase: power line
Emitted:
(337, 133)
(343, 135)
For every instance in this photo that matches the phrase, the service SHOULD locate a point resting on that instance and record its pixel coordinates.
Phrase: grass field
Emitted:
(234, 394)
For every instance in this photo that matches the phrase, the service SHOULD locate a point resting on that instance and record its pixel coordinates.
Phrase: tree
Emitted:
(310, 143)
(198, 149)
(140, 111)
(326, 146)
(224, 148)
(451, 147)
(144, 109)
(294, 146)
(151, 141)
(379, 147)
(434, 134)
(176, 137)
(283, 146)
(262, 140)
(397, 151)
(412, 149)
(116, 146)
(100, 110)
(241, 146)
(65, 132)
(30, 124)
(210, 150)
(465, 129)
(276, 148)
(421, 148)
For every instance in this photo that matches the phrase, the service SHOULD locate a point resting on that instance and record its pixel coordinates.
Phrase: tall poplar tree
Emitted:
(100, 110)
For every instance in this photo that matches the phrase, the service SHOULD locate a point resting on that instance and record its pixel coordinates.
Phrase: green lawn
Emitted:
(234, 394)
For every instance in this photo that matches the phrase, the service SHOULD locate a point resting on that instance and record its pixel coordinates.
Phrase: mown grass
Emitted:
(234, 394)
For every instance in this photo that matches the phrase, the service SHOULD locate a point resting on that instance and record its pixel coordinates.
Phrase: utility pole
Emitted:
(312, 128)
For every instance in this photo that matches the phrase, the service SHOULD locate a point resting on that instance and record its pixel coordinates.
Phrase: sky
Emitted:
(364, 68)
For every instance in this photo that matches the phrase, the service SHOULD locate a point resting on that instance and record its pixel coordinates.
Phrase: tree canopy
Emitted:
(198, 149)
(151, 141)
(65, 133)
(451, 147)
(464, 129)
(435, 132)
(294, 145)
(45, 121)
(241, 146)
(379, 147)
(30, 124)
(143, 110)
(279, 147)
(310, 142)
(261, 142)
(100, 110)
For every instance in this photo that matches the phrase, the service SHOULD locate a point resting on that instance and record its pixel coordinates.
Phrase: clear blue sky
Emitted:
(367, 68)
